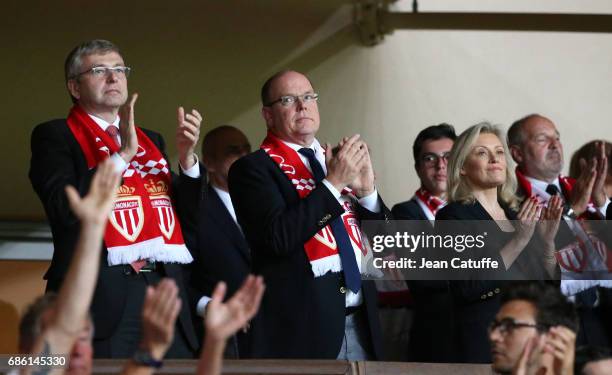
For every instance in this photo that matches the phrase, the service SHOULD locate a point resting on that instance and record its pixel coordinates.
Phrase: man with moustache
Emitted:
(534, 331)
(143, 241)
(535, 145)
(218, 246)
(432, 300)
(293, 202)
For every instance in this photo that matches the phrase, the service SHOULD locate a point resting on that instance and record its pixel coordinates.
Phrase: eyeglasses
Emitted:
(431, 159)
(508, 325)
(289, 100)
(103, 71)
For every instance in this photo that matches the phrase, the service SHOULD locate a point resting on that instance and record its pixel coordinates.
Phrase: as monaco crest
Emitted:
(163, 207)
(326, 237)
(128, 216)
(350, 221)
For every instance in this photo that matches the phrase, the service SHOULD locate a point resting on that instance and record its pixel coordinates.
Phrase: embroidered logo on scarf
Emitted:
(143, 221)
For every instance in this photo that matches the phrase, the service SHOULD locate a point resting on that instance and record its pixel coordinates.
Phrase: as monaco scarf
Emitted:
(588, 253)
(143, 223)
(429, 202)
(322, 248)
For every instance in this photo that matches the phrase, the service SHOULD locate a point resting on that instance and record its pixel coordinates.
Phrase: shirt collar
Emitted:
(542, 185)
(103, 123)
(315, 146)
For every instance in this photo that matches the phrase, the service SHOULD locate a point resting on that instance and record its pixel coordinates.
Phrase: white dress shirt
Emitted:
(121, 165)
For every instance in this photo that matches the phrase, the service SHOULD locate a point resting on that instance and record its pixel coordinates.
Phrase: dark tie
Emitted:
(345, 248)
(113, 132)
(552, 189)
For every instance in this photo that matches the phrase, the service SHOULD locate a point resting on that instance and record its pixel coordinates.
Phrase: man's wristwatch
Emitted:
(144, 358)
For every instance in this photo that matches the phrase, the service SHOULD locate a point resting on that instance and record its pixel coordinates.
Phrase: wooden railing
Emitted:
(308, 367)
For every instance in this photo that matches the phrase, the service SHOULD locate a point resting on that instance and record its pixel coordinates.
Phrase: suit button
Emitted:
(496, 290)
(342, 290)
(490, 294)
(484, 296)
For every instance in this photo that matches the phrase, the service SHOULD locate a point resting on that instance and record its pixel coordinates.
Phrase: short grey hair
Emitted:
(74, 60)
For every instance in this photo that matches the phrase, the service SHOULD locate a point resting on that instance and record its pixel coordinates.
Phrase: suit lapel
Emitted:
(219, 215)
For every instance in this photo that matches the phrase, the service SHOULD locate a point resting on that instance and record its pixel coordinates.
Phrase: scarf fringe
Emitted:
(154, 249)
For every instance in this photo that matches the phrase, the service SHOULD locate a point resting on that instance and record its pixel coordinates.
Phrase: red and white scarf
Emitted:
(143, 223)
(321, 249)
(430, 204)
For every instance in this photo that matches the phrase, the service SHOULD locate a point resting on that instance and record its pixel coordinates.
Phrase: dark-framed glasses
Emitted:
(103, 71)
(430, 159)
(508, 325)
(289, 100)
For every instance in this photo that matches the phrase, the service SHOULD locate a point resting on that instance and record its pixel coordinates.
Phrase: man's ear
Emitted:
(73, 88)
(517, 154)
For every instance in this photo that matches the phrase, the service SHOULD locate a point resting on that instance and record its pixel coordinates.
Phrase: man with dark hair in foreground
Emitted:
(534, 330)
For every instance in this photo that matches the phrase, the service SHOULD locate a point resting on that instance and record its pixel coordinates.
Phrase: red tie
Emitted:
(113, 132)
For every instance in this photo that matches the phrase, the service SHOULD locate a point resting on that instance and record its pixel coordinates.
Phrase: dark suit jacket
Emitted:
(476, 301)
(220, 253)
(301, 316)
(433, 314)
(409, 210)
(57, 160)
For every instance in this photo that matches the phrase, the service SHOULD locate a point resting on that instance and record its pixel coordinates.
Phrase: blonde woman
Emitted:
(481, 189)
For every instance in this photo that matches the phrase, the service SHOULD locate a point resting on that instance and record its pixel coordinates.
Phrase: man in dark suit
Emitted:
(433, 317)
(219, 249)
(302, 224)
(138, 247)
(536, 147)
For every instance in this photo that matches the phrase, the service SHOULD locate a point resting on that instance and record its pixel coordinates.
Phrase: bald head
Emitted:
(221, 147)
(536, 147)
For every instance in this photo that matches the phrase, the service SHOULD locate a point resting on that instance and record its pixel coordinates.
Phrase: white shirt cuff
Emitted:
(371, 202)
(602, 210)
(120, 164)
(331, 188)
(194, 171)
(201, 306)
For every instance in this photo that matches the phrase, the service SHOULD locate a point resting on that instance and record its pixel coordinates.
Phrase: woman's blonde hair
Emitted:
(459, 190)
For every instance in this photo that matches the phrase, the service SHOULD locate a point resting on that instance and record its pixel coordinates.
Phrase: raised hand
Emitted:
(583, 189)
(561, 343)
(530, 361)
(159, 313)
(363, 185)
(96, 205)
(224, 319)
(527, 218)
(344, 167)
(550, 218)
(187, 135)
(127, 130)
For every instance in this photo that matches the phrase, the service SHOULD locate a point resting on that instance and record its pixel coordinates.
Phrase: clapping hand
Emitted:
(159, 312)
(187, 135)
(224, 319)
(127, 130)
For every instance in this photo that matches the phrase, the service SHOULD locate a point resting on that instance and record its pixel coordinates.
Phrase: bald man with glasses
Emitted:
(303, 228)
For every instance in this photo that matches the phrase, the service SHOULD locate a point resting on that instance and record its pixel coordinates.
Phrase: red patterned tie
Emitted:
(113, 132)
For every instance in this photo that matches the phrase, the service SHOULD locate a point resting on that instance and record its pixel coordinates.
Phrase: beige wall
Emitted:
(214, 55)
